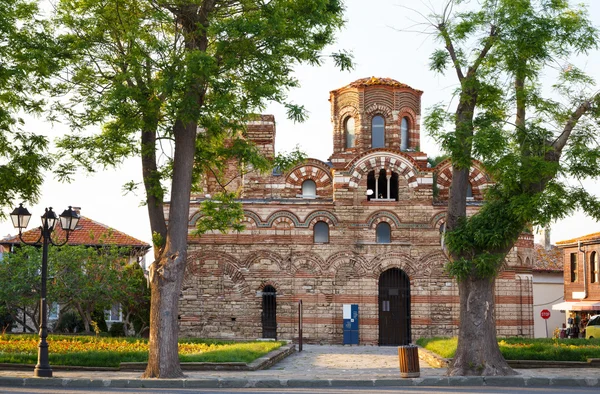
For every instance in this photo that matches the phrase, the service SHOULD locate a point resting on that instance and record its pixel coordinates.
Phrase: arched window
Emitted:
(309, 189)
(404, 134)
(383, 233)
(349, 132)
(594, 267)
(382, 187)
(469, 190)
(377, 132)
(321, 232)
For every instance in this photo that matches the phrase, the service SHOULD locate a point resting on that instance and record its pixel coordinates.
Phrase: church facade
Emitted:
(355, 239)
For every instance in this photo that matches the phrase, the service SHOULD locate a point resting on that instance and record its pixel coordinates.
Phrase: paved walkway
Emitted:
(315, 366)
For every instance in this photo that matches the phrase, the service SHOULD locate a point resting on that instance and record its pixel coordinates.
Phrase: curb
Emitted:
(453, 381)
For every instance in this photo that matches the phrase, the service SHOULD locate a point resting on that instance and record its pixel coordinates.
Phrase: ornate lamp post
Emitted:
(68, 221)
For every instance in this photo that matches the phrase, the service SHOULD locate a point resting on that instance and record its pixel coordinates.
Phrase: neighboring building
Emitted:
(362, 228)
(548, 287)
(581, 278)
(91, 234)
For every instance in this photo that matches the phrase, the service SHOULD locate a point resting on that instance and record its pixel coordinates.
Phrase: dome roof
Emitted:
(371, 81)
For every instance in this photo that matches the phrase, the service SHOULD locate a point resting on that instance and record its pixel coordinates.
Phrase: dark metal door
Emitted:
(394, 308)
(269, 312)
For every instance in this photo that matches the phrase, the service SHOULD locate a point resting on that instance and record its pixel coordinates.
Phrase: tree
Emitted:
(24, 70)
(182, 77)
(134, 298)
(86, 278)
(529, 157)
(21, 298)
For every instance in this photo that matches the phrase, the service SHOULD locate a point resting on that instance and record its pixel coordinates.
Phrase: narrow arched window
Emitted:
(383, 233)
(377, 132)
(469, 190)
(404, 134)
(309, 189)
(321, 232)
(594, 267)
(349, 132)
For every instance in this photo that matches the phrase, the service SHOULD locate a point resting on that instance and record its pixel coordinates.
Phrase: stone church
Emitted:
(356, 239)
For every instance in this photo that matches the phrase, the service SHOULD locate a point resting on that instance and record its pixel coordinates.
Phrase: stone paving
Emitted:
(316, 366)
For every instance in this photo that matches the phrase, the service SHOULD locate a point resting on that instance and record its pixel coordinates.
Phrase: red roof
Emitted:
(88, 233)
(589, 237)
(364, 82)
(548, 260)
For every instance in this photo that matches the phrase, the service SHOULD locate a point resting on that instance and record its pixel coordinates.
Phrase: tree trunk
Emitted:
(478, 352)
(166, 272)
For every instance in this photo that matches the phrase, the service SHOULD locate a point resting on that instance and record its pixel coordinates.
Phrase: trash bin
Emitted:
(409, 361)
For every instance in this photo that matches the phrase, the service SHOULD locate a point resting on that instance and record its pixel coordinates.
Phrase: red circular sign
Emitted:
(545, 313)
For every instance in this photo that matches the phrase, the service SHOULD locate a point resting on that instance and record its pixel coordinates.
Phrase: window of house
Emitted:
(469, 191)
(383, 233)
(53, 311)
(377, 132)
(113, 314)
(321, 232)
(594, 267)
(404, 134)
(573, 267)
(349, 132)
(382, 186)
(309, 189)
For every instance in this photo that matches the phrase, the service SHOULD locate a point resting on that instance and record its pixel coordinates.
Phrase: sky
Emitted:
(386, 40)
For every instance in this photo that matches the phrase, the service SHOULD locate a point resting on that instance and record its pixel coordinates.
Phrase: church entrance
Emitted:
(394, 308)
(269, 312)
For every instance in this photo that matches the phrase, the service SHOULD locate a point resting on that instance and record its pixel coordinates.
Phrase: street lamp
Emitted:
(68, 221)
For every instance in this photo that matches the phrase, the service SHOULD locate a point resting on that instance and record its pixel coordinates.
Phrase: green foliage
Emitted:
(526, 348)
(117, 329)
(499, 53)
(27, 59)
(221, 213)
(69, 322)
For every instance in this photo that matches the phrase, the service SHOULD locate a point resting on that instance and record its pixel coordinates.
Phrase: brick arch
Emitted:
(253, 218)
(334, 261)
(391, 160)
(228, 264)
(264, 283)
(346, 112)
(432, 265)
(315, 263)
(379, 109)
(253, 257)
(286, 216)
(478, 179)
(195, 260)
(320, 216)
(313, 169)
(388, 260)
(383, 216)
(437, 219)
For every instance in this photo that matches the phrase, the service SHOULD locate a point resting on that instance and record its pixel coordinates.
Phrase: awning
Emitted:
(577, 306)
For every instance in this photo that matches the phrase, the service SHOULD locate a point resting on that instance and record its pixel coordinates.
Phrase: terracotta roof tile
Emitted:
(363, 82)
(589, 237)
(88, 232)
(548, 260)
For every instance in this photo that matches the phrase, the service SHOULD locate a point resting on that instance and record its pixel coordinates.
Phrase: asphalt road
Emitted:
(385, 390)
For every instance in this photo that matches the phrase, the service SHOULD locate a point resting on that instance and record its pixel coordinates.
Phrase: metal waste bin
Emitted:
(409, 361)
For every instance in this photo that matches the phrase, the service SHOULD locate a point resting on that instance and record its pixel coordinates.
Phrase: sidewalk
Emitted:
(315, 366)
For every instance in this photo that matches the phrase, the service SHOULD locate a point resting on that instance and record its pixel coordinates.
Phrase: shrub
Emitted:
(117, 330)
(69, 322)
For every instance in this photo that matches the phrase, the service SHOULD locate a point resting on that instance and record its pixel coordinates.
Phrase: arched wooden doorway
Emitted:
(269, 312)
(394, 308)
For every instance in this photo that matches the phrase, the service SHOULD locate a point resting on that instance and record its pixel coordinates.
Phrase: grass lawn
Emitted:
(526, 348)
(110, 352)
